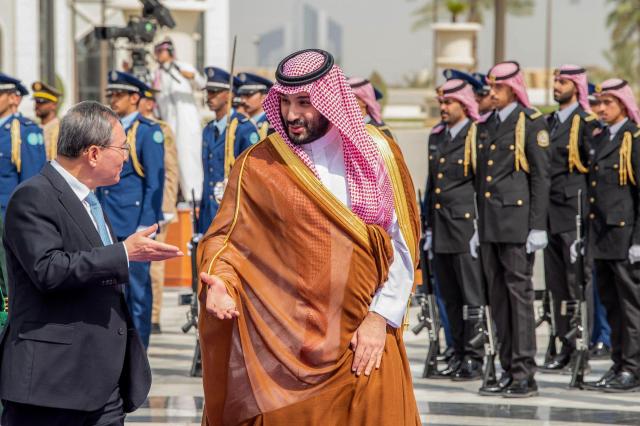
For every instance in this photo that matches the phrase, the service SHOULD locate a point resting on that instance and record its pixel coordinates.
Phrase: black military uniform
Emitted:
(450, 216)
(512, 186)
(571, 141)
(614, 226)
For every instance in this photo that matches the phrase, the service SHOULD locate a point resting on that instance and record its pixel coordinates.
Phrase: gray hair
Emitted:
(87, 123)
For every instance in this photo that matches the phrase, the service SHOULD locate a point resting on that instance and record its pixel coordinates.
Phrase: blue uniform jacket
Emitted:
(137, 201)
(32, 154)
(213, 162)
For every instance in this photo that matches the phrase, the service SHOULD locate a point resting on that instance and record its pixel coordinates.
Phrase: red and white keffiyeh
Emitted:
(509, 73)
(364, 90)
(579, 77)
(367, 178)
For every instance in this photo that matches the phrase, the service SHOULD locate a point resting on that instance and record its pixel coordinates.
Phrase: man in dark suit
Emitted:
(450, 215)
(613, 232)
(512, 187)
(571, 129)
(70, 352)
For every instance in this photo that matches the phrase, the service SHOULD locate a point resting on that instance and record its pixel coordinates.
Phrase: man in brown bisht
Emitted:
(308, 266)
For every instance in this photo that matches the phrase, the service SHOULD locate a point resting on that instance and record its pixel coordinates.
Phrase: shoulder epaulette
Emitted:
(636, 134)
(147, 121)
(25, 121)
(587, 116)
(438, 129)
(533, 113)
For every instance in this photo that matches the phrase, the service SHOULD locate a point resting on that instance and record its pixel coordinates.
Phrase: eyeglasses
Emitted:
(126, 149)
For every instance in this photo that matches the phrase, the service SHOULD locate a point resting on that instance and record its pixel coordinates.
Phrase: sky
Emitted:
(377, 34)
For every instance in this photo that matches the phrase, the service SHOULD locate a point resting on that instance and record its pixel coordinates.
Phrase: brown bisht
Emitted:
(302, 269)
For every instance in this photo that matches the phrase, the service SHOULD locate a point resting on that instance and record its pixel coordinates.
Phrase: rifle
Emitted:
(546, 313)
(428, 316)
(581, 329)
(485, 335)
(192, 299)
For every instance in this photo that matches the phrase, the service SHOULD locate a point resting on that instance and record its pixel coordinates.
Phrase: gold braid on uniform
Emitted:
(470, 150)
(16, 141)
(626, 169)
(521, 158)
(574, 152)
(131, 140)
(229, 142)
(263, 130)
(53, 144)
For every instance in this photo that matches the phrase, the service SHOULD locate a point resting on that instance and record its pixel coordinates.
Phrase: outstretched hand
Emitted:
(218, 302)
(142, 248)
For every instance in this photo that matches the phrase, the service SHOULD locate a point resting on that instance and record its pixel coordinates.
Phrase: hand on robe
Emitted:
(368, 344)
(217, 301)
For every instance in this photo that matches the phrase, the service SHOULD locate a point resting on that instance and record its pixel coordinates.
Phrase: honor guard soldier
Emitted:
(47, 100)
(222, 143)
(450, 215)
(146, 107)
(479, 85)
(613, 232)
(571, 130)
(368, 98)
(512, 187)
(253, 90)
(22, 152)
(135, 202)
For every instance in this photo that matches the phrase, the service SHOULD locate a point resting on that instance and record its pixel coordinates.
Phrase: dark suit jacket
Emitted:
(563, 197)
(614, 209)
(450, 193)
(512, 202)
(70, 340)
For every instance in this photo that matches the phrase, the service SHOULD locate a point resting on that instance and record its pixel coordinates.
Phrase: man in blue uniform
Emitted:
(219, 151)
(135, 202)
(252, 90)
(22, 152)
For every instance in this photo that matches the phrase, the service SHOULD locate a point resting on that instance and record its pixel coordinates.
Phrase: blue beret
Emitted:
(8, 83)
(250, 83)
(125, 82)
(218, 79)
(592, 88)
(474, 80)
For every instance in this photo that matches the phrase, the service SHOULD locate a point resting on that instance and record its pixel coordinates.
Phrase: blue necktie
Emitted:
(98, 216)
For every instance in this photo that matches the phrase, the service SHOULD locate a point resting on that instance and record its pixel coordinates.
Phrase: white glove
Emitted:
(428, 240)
(634, 253)
(573, 251)
(537, 240)
(474, 243)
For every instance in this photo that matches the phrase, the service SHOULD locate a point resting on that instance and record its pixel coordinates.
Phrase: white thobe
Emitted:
(390, 300)
(177, 107)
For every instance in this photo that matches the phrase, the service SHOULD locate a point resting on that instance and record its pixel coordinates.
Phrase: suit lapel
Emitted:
(73, 205)
(609, 146)
(509, 124)
(452, 145)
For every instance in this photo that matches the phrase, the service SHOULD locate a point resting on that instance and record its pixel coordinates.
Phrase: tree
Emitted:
(624, 21)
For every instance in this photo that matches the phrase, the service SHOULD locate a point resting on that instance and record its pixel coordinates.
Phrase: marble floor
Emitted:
(176, 398)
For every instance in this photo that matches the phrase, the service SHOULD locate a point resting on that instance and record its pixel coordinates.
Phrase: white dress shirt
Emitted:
(390, 300)
(82, 192)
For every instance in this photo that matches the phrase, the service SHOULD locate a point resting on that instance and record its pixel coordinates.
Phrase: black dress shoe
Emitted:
(600, 351)
(604, 380)
(558, 363)
(521, 389)
(446, 355)
(496, 389)
(470, 369)
(155, 328)
(451, 368)
(623, 382)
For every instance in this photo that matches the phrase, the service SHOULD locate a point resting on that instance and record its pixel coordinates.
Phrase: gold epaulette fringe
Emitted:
(131, 140)
(53, 143)
(521, 157)
(470, 150)
(574, 151)
(229, 142)
(626, 169)
(263, 130)
(16, 141)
